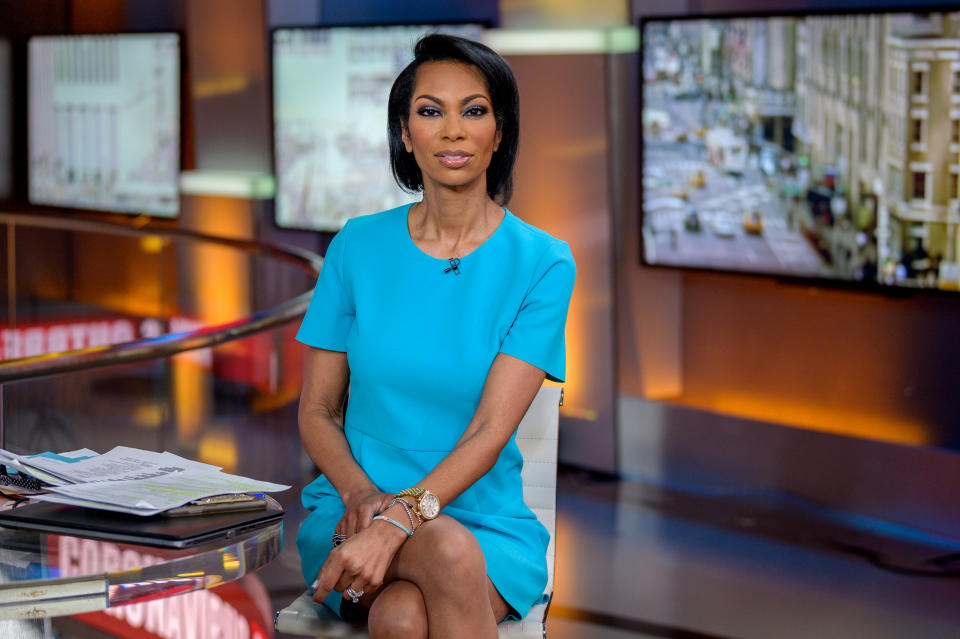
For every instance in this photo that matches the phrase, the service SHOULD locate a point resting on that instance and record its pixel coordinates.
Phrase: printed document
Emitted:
(129, 480)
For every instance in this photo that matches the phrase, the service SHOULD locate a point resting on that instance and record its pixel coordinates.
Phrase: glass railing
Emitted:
(157, 339)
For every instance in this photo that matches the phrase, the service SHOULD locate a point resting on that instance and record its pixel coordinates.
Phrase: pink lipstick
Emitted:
(453, 159)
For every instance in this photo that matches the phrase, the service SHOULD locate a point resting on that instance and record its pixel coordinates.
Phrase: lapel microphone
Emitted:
(454, 266)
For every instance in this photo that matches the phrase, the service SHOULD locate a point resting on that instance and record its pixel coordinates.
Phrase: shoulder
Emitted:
(365, 237)
(538, 246)
(376, 224)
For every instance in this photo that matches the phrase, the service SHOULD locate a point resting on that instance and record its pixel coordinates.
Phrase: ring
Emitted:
(353, 594)
(338, 539)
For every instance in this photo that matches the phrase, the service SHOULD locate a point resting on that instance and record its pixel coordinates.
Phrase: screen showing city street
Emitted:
(804, 146)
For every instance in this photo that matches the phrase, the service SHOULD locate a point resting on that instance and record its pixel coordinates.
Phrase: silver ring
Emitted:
(353, 594)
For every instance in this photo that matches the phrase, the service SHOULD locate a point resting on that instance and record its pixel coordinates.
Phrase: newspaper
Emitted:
(119, 463)
(129, 480)
(20, 465)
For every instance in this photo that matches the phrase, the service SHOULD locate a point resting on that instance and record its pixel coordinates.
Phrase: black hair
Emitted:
(502, 86)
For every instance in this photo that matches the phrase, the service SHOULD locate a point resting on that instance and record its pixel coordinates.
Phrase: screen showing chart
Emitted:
(104, 122)
(813, 146)
(330, 90)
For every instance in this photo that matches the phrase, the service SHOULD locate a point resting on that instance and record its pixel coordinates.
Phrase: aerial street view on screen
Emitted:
(104, 115)
(819, 146)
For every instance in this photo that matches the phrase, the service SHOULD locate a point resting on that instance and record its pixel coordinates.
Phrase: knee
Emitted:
(397, 618)
(456, 556)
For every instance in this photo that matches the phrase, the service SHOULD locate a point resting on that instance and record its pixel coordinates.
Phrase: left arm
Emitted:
(508, 391)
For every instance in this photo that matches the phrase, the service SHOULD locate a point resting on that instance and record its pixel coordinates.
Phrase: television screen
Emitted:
(330, 89)
(810, 146)
(104, 122)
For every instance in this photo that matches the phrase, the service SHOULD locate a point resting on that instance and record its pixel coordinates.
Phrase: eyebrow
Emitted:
(464, 101)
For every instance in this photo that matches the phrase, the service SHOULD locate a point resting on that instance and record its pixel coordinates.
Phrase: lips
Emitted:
(454, 159)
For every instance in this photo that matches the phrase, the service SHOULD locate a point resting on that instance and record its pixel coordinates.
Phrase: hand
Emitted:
(360, 509)
(360, 562)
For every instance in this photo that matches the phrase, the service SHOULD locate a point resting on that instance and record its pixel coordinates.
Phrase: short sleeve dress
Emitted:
(420, 338)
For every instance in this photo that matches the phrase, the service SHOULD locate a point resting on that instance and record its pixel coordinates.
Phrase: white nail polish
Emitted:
(315, 585)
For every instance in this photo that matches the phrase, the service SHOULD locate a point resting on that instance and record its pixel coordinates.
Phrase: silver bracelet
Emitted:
(406, 509)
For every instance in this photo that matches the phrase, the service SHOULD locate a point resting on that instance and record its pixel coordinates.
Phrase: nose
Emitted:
(453, 128)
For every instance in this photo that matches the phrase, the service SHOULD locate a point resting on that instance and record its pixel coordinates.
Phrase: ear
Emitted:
(405, 136)
(496, 140)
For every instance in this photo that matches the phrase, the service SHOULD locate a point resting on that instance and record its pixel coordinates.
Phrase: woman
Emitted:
(443, 317)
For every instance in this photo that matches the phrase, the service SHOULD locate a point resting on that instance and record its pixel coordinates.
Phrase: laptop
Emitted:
(156, 530)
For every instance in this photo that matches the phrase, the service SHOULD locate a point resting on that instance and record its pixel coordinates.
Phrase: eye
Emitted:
(476, 111)
(428, 111)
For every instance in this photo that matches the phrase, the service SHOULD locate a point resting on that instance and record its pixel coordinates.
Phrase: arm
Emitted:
(532, 348)
(326, 376)
(510, 388)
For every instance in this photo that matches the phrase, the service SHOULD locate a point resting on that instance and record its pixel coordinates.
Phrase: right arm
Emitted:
(321, 415)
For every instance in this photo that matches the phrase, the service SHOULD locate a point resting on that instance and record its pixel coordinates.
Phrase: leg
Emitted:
(398, 612)
(446, 563)
(500, 607)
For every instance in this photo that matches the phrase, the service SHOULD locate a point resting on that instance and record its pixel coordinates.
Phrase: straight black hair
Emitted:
(504, 95)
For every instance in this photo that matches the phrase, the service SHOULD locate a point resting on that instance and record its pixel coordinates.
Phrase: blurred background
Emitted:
(747, 448)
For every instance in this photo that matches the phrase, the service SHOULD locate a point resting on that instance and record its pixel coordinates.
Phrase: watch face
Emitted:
(429, 506)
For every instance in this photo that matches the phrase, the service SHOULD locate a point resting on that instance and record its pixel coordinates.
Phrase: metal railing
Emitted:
(82, 359)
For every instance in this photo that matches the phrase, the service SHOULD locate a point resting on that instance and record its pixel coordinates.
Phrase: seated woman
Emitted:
(442, 318)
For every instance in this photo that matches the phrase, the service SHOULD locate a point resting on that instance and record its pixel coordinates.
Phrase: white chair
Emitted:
(537, 440)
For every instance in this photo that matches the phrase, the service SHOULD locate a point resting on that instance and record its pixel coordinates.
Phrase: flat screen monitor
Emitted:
(330, 90)
(104, 122)
(813, 146)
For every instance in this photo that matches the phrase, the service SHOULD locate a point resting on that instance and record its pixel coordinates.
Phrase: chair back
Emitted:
(537, 441)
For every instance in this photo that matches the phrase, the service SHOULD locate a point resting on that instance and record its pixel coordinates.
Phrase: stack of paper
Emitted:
(128, 480)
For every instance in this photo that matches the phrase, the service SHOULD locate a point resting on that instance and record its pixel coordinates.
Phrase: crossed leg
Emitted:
(436, 587)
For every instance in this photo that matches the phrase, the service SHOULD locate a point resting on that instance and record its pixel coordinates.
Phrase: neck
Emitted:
(454, 221)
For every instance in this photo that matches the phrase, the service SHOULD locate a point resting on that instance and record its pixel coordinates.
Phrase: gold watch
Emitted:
(428, 504)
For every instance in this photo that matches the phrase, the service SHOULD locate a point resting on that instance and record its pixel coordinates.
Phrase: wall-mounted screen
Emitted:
(330, 90)
(104, 122)
(811, 146)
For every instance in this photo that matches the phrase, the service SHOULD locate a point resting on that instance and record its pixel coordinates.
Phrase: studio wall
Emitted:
(563, 187)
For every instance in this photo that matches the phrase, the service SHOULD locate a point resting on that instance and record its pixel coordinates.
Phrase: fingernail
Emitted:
(315, 585)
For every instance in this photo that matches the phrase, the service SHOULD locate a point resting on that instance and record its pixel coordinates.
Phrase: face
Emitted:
(452, 131)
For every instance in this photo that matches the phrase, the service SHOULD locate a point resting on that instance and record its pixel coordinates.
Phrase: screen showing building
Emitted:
(330, 89)
(104, 122)
(815, 146)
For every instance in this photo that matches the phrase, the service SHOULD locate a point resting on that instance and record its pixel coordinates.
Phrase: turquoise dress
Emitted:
(420, 338)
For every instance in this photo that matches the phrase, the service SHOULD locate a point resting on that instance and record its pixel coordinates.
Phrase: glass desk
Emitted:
(46, 575)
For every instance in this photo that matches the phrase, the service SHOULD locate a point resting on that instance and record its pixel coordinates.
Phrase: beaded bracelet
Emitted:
(395, 523)
(406, 509)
